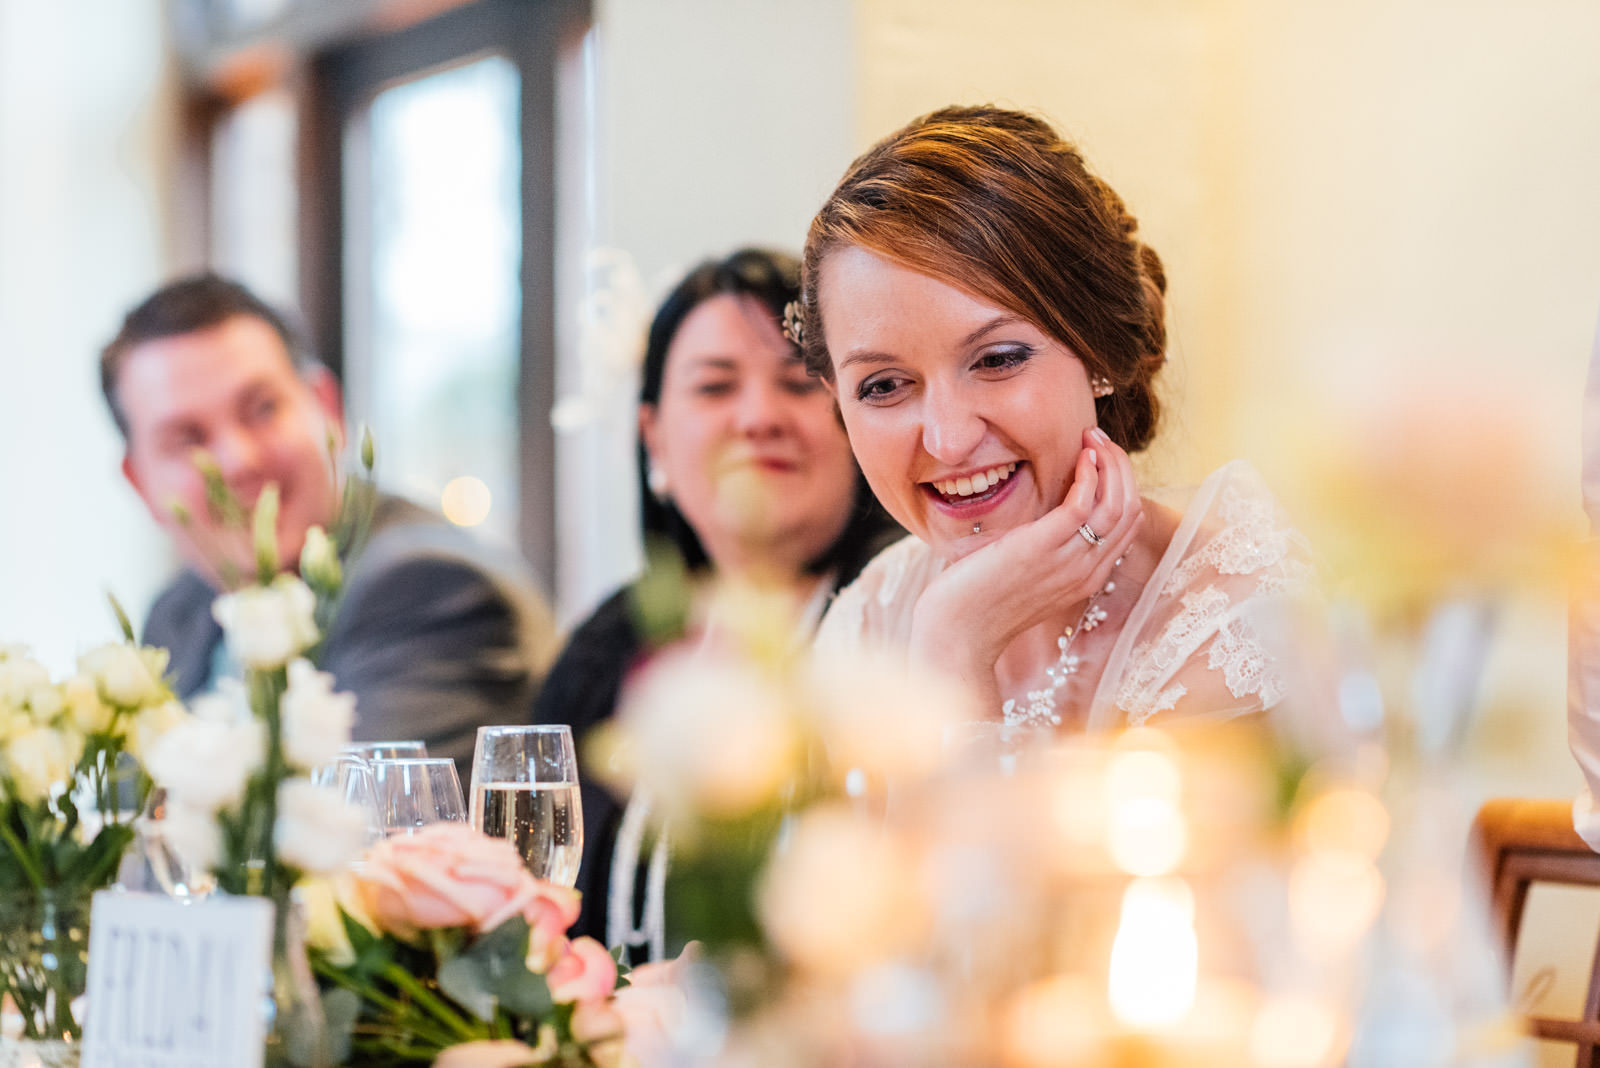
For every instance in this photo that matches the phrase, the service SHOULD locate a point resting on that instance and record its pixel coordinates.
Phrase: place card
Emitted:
(175, 985)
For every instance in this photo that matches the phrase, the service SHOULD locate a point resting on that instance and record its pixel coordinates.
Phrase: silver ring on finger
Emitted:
(1086, 532)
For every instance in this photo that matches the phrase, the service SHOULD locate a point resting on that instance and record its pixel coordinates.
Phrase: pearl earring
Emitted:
(656, 479)
(1101, 386)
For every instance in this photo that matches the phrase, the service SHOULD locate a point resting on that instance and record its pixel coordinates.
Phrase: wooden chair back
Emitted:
(1520, 843)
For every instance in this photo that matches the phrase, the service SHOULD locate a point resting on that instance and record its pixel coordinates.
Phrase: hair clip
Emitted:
(792, 328)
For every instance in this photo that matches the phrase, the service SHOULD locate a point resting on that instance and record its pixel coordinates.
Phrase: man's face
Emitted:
(231, 391)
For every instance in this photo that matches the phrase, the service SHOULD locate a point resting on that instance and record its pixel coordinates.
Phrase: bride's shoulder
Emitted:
(1190, 645)
(1231, 530)
(871, 606)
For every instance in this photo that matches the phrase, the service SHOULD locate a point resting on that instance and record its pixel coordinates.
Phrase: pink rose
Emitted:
(585, 972)
(446, 875)
(652, 1007)
(551, 911)
(502, 1053)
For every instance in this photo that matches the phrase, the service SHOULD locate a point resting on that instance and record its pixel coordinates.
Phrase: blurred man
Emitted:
(433, 635)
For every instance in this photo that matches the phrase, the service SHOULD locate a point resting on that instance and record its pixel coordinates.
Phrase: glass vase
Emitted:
(297, 1035)
(44, 966)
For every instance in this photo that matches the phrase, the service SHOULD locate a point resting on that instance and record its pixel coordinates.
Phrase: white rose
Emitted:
(40, 759)
(12, 720)
(267, 625)
(150, 724)
(88, 712)
(877, 718)
(19, 677)
(681, 703)
(46, 703)
(205, 762)
(316, 721)
(192, 834)
(124, 673)
(317, 831)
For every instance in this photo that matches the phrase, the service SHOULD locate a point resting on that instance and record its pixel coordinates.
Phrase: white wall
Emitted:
(85, 145)
(713, 125)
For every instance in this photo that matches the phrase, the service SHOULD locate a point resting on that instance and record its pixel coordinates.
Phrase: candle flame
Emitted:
(1154, 958)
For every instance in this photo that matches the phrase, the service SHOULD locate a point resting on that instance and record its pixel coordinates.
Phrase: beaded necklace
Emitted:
(1041, 706)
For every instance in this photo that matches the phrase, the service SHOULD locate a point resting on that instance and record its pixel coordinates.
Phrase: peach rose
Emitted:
(446, 875)
(551, 911)
(585, 972)
(599, 1027)
(501, 1053)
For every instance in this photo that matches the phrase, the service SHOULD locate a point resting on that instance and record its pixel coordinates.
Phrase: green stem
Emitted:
(425, 998)
(29, 867)
(398, 1010)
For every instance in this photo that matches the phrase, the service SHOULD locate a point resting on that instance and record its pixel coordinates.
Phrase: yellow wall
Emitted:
(1368, 210)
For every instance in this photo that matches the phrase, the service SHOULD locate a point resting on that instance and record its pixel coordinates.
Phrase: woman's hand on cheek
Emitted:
(1033, 573)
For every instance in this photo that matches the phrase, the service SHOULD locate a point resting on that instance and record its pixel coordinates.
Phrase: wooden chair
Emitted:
(1521, 843)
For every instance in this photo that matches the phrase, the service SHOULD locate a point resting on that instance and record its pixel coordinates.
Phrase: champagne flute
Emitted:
(388, 750)
(525, 790)
(412, 793)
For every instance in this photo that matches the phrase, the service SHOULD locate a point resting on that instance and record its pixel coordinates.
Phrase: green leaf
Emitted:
(494, 970)
(466, 979)
(123, 621)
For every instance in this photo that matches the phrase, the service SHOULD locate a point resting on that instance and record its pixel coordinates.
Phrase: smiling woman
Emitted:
(990, 324)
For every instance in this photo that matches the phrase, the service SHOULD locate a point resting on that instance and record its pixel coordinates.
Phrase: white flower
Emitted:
(39, 759)
(316, 721)
(877, 718)
(715, 734)
(126, 674)
(151, 723)
(192, 834)
(88, 712)
(205, 761)
(12, 720)
(267, 625)
(46, 703)
(19, 677)
(317, 831)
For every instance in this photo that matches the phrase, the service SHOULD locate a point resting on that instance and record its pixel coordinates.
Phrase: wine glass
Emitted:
(177, 877)
(412, 793)
(525, 790)
(411, 750)
(351, 775)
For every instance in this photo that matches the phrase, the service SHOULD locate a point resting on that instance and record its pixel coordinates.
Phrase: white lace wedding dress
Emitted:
(1191, 641)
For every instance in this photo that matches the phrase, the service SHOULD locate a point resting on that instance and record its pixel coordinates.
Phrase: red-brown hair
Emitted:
(996, 203)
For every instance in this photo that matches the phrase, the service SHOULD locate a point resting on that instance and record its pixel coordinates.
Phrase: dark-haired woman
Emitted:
(990, 323)
(744, 468)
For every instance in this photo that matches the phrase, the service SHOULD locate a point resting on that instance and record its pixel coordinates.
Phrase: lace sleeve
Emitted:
(1193, 644)
(875, 610)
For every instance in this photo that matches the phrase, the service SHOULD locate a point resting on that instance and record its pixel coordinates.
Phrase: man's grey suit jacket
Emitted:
(435, 635)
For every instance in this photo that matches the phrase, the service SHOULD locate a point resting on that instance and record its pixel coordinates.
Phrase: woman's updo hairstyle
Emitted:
(996, 203)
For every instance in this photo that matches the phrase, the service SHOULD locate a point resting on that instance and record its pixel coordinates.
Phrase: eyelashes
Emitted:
(994, 363)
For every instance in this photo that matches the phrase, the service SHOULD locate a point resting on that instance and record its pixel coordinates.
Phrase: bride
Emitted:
(990, 325)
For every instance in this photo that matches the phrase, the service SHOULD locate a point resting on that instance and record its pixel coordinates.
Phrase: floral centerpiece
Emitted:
(882, 878)
(239, 799)
(442, 945)
(70, 787)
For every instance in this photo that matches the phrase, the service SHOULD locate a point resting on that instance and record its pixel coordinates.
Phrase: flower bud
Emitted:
(319, 563)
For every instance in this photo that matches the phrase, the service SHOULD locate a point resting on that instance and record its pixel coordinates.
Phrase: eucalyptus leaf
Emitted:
(466, 979)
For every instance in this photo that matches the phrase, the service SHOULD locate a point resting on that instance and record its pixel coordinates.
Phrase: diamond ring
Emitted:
(1087, 534)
